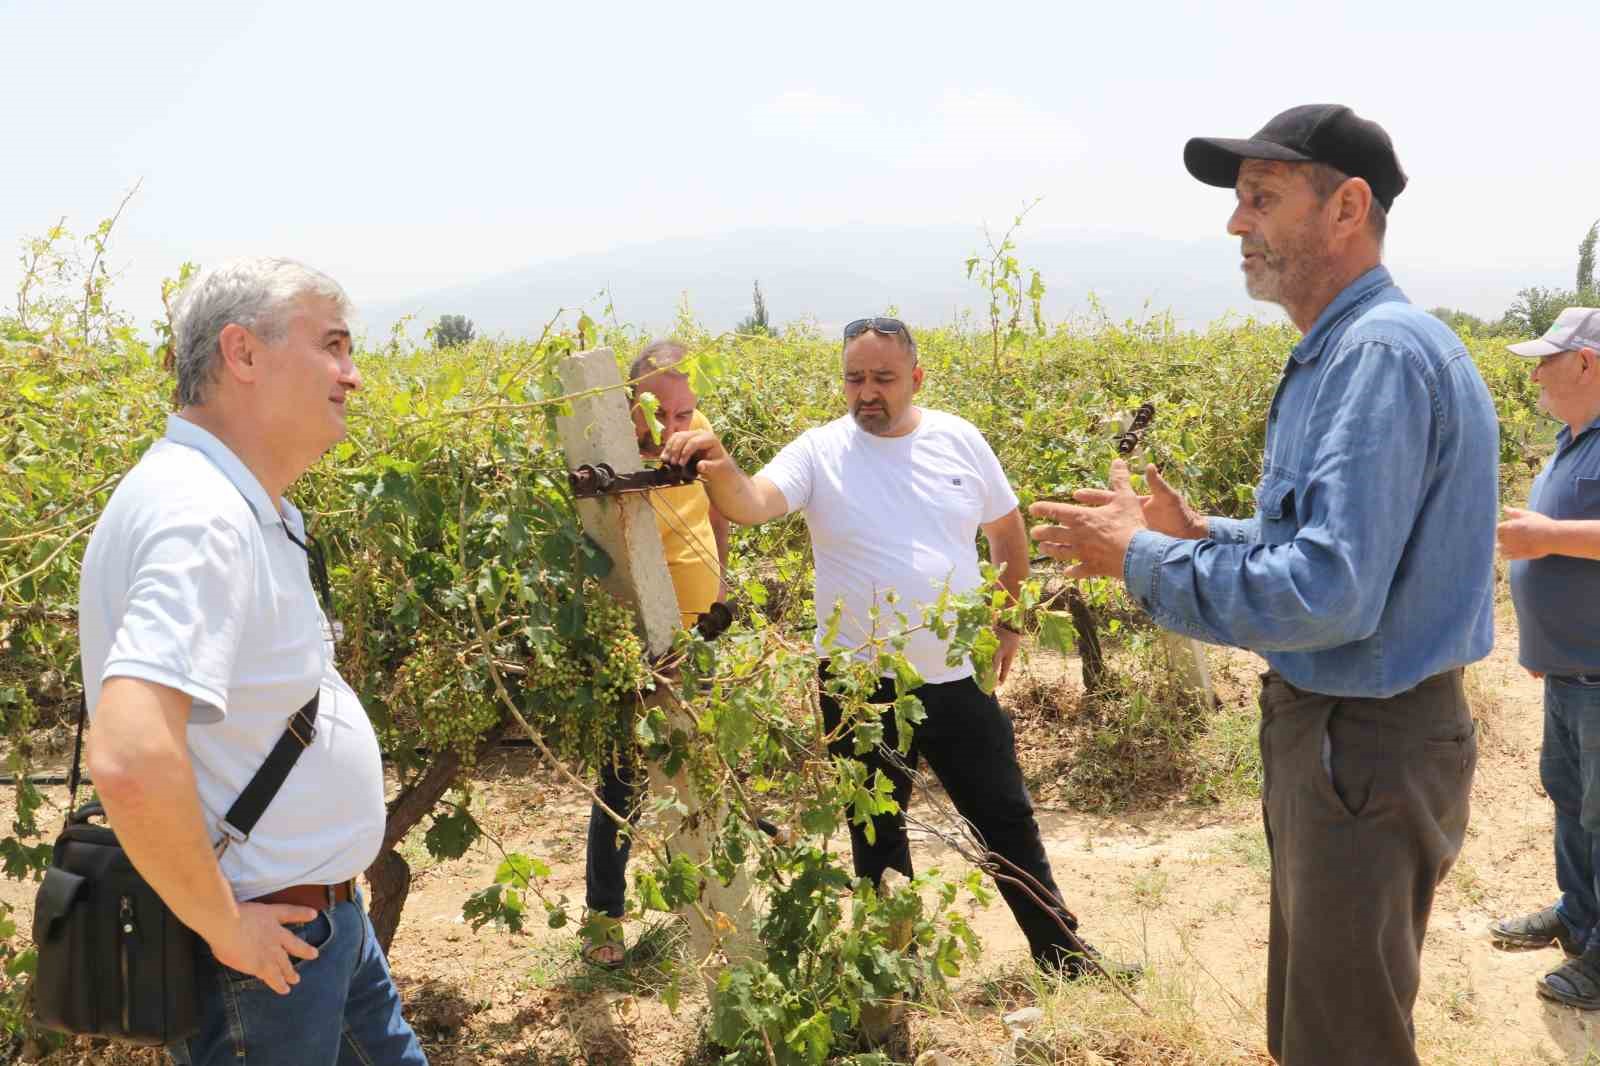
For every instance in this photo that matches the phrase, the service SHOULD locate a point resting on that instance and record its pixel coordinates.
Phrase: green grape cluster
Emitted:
(615, 652)
(582, 691)
(429, 693)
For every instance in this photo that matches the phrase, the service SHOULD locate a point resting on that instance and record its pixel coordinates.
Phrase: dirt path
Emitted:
(1187, 892)
(1183, 890)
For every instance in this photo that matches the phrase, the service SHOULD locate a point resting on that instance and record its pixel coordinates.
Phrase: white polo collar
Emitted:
(182, 431)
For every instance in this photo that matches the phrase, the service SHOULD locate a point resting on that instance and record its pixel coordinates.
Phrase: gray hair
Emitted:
(1325, 181)
(257, 294)
(659, 355)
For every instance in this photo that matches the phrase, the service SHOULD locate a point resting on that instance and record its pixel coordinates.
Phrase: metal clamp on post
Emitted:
(1128, 440)
(601, 479)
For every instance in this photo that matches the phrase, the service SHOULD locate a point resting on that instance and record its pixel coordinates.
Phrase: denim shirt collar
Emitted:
(1355, 295)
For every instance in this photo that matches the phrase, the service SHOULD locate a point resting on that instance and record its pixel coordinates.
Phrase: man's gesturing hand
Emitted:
(1165, 510)
(1096, 536)
(259, 945)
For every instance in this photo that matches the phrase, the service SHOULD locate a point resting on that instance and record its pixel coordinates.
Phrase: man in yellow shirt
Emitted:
(695, 537)
(693, 533)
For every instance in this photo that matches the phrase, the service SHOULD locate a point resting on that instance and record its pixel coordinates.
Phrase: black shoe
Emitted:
(1575, 983)
(1537, 930)
(1073, 965)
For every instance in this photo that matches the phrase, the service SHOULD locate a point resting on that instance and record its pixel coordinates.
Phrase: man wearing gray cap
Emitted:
(1554, 551)
(1365, 577)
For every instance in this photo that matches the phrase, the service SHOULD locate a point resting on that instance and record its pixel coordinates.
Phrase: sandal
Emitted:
(605, 956)
(1575, 983)
(1537, 930)
(603, 947)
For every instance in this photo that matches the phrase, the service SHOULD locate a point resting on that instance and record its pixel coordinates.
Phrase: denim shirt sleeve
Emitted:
(1233, 530)
(1319, 576)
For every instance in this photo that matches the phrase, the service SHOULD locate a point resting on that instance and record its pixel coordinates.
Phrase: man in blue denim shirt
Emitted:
(1365, 578)
(1554, 549)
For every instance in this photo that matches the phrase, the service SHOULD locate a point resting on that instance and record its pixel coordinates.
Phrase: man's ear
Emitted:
(916, 377)
(1589, 358)
(238, 346)
(1354, 199)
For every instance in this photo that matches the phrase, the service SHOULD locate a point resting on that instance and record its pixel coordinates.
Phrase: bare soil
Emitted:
(1180, 887)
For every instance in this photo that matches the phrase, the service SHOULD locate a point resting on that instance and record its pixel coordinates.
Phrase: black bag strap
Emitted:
(76, 776)
(257, 795)
(270, 776)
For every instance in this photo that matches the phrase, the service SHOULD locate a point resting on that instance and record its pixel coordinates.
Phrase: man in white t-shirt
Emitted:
(894, 496)
(201, 638)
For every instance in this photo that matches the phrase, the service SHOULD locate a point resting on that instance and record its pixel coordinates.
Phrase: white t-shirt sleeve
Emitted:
(187, 599)
(998, 499)
(792, 470)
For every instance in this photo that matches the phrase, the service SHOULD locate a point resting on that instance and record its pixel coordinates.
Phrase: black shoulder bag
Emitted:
(114, 961)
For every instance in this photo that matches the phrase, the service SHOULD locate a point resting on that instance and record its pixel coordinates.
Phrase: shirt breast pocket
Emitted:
(1275, 507)
(1586, 497)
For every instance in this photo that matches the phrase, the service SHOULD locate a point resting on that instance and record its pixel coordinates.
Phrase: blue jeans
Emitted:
(1569, 769)
(344, 1012)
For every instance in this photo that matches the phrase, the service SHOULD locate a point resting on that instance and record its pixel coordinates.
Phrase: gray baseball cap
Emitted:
(1574, 328)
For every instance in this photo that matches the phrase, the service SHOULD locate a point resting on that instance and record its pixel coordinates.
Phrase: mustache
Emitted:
(1253, 247)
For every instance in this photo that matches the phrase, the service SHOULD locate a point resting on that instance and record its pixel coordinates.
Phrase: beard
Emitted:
(1287, 271)
(873, 419)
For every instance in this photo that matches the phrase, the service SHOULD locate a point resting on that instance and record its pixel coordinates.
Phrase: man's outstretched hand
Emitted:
(1165, 510)
(1097, 536)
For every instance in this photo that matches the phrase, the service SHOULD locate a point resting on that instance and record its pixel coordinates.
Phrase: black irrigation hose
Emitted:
(42, 779)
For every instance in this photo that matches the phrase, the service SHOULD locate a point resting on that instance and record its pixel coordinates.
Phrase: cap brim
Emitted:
(1215, 160)
(1538, 349)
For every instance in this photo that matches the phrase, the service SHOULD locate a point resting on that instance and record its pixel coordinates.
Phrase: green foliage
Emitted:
(452, 331)
(756, 322)
(1586, 281)
(467, 588)
(452, 833)
(1465, 324)
(505, 902)
(1536, 308)
(828, 960)
(1001, 277)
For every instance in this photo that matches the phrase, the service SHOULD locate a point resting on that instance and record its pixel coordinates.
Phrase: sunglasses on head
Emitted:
(889, 327)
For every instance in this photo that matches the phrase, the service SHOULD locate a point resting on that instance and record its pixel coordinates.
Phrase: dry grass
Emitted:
(1089, 1022)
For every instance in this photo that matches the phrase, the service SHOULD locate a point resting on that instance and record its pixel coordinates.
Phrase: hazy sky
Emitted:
(403, 147)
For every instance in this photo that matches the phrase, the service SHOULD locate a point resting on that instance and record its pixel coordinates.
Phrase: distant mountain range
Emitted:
(831, 276)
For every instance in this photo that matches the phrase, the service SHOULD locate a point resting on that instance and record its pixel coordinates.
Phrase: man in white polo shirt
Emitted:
(201, 637)
(894, 496)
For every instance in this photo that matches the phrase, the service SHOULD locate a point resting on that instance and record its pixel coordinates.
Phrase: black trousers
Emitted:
(606, 863)
(1359, 843)
(969, 744)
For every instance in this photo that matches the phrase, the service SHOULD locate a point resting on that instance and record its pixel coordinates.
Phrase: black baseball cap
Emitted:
(1311, 133)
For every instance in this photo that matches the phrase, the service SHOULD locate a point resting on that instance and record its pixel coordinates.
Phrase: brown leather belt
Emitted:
(317, 897)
